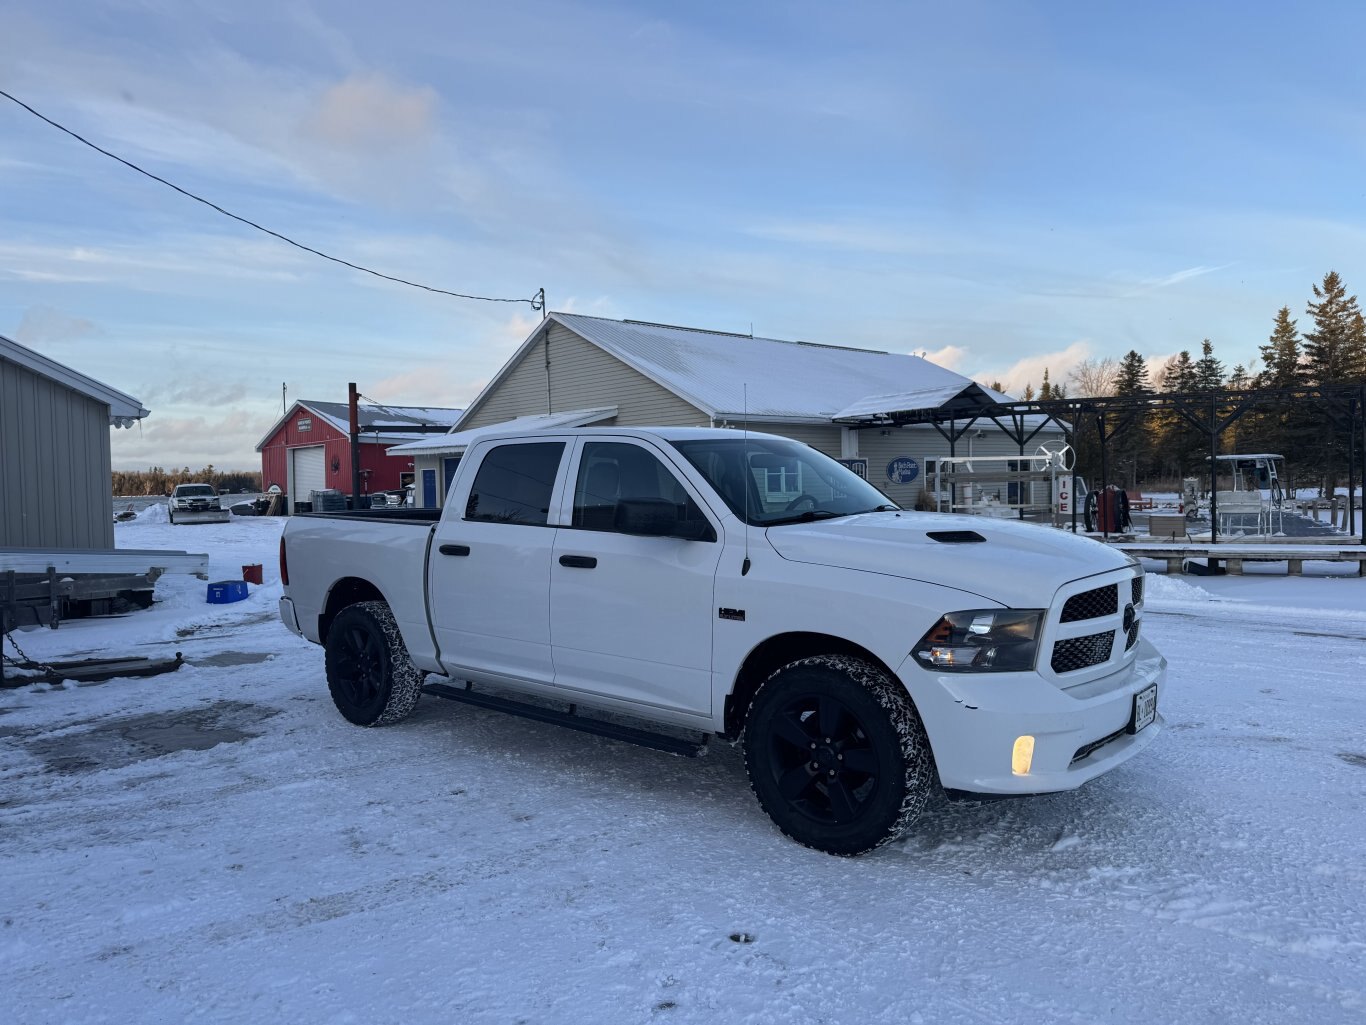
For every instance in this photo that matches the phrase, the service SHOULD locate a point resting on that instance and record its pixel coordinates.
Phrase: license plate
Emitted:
(1145, 709)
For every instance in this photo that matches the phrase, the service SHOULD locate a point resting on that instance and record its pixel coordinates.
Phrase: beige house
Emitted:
(576, 370)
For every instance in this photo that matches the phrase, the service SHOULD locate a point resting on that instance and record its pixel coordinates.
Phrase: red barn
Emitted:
(309, 448)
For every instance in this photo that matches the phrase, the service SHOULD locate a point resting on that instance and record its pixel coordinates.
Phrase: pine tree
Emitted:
(1333, 351)
(1132, 376)
(1132, 441)
(1209, 372)
(1281, 355)
(1176, 445)
(1178, 374)
(1029, 393)
(1045, 389)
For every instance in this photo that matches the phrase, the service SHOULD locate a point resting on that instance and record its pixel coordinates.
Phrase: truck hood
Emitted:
(1018, 565)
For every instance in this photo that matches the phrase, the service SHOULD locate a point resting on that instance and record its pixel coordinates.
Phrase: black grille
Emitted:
(1075, 653)
(1133, 636)
(1103, 601)
(1137, 598)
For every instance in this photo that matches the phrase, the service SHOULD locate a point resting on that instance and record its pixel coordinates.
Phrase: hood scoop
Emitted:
(954, 537)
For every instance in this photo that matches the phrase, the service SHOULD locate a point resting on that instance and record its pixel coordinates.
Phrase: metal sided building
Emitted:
(633, 373)
(309, 448)
(54, 452)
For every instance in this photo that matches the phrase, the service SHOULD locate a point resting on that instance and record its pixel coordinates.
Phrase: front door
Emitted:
(631, 616)
(489, 570)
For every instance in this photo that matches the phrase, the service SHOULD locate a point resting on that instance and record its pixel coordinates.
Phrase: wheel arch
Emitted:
(343, 593)
(777, 651)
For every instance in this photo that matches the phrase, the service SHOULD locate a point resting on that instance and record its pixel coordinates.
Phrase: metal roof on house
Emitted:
(458, 441)
(123, 408)
(727, 375)
(338, 415)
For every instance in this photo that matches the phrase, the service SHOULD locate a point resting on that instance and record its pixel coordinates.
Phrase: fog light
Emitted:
(1022, 757)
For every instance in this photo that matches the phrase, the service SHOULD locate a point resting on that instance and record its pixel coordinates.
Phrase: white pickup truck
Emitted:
(748, 586)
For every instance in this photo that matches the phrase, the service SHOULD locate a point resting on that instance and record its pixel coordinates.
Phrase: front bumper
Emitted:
(974, 720)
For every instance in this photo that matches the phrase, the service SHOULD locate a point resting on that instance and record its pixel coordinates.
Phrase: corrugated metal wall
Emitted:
(54, 464)
(582, 376)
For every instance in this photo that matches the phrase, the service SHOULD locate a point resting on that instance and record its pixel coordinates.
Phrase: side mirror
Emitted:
(657, 517)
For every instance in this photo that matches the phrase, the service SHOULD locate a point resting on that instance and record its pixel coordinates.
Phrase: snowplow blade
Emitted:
(202, 516)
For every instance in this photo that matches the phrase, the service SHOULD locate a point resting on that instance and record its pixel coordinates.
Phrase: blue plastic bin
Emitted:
(223, 592)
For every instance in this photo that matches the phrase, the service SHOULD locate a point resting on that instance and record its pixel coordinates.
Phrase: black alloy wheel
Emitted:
(372, 680)
(837, 755)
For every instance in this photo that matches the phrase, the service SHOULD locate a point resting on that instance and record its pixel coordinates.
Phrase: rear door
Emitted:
(489, 571)
(631, 616)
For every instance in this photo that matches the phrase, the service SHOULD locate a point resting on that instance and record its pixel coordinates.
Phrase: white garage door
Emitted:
(310, 471)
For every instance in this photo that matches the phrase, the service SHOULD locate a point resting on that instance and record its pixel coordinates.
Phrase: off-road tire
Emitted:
(372, 680)
(861, 788)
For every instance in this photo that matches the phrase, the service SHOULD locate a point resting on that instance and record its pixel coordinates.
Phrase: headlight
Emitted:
(982, 641)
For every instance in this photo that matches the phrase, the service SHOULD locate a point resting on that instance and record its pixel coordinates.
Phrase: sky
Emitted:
(1002, 186)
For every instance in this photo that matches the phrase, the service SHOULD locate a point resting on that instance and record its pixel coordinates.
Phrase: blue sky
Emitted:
(1005, 186)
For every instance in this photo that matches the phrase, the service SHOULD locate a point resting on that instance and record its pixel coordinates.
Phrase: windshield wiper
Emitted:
(804, 517)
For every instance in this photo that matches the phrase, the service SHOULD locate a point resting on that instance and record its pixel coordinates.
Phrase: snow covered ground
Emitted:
(218, 845)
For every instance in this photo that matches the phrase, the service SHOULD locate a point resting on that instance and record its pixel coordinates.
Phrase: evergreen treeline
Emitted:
(1160, 446)
(156, 481)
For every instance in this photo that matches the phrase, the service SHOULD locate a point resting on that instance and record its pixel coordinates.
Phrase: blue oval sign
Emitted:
(903, 470)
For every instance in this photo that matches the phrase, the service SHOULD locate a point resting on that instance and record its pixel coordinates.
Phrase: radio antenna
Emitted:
(747, 481)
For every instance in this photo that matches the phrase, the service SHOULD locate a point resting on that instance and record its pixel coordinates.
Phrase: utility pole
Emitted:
(353, 400)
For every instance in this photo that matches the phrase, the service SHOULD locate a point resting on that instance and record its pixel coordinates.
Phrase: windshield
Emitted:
(185, 490)
(786, 482)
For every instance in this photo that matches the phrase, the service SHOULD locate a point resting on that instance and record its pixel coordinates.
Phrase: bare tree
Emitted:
(1092, 377)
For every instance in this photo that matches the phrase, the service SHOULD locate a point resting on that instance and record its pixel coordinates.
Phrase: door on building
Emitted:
(429, 489)
(308, 473)
(489, 571)
(607, 587)
(448, 468)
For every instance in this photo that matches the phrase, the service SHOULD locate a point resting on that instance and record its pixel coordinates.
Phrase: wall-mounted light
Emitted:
(336, 463)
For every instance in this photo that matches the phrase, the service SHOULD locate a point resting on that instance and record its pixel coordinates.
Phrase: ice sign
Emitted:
(903, 470)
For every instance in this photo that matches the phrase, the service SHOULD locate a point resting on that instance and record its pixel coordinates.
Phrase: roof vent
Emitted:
(954, 537)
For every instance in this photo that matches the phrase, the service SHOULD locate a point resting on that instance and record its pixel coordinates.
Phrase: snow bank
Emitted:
(1173, 589)
(154, 514)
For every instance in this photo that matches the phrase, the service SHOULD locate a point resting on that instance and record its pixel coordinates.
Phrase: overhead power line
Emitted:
(536, 302)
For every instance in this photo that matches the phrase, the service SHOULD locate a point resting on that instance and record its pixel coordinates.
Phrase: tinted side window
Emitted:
(611, 471)
(513, 484)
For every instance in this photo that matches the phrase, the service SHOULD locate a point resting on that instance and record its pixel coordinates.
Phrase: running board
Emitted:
(584, 724)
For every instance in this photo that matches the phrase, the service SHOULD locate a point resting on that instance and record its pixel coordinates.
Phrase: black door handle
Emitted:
(578, 561)
(455, 549)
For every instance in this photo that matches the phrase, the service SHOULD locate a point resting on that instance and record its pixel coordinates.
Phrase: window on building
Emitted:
(514, 483)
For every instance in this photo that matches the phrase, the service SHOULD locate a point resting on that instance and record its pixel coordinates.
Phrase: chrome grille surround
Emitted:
(1076, 651)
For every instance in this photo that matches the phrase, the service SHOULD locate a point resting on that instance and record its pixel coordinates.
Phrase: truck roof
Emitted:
(664, 433)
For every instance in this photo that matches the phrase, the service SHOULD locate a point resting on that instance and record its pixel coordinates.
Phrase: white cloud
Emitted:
(950, 356)
(1029, 369)
(368, 112)
(42, 326)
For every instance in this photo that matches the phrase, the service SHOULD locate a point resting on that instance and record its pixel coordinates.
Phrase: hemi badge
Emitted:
(736, 614)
